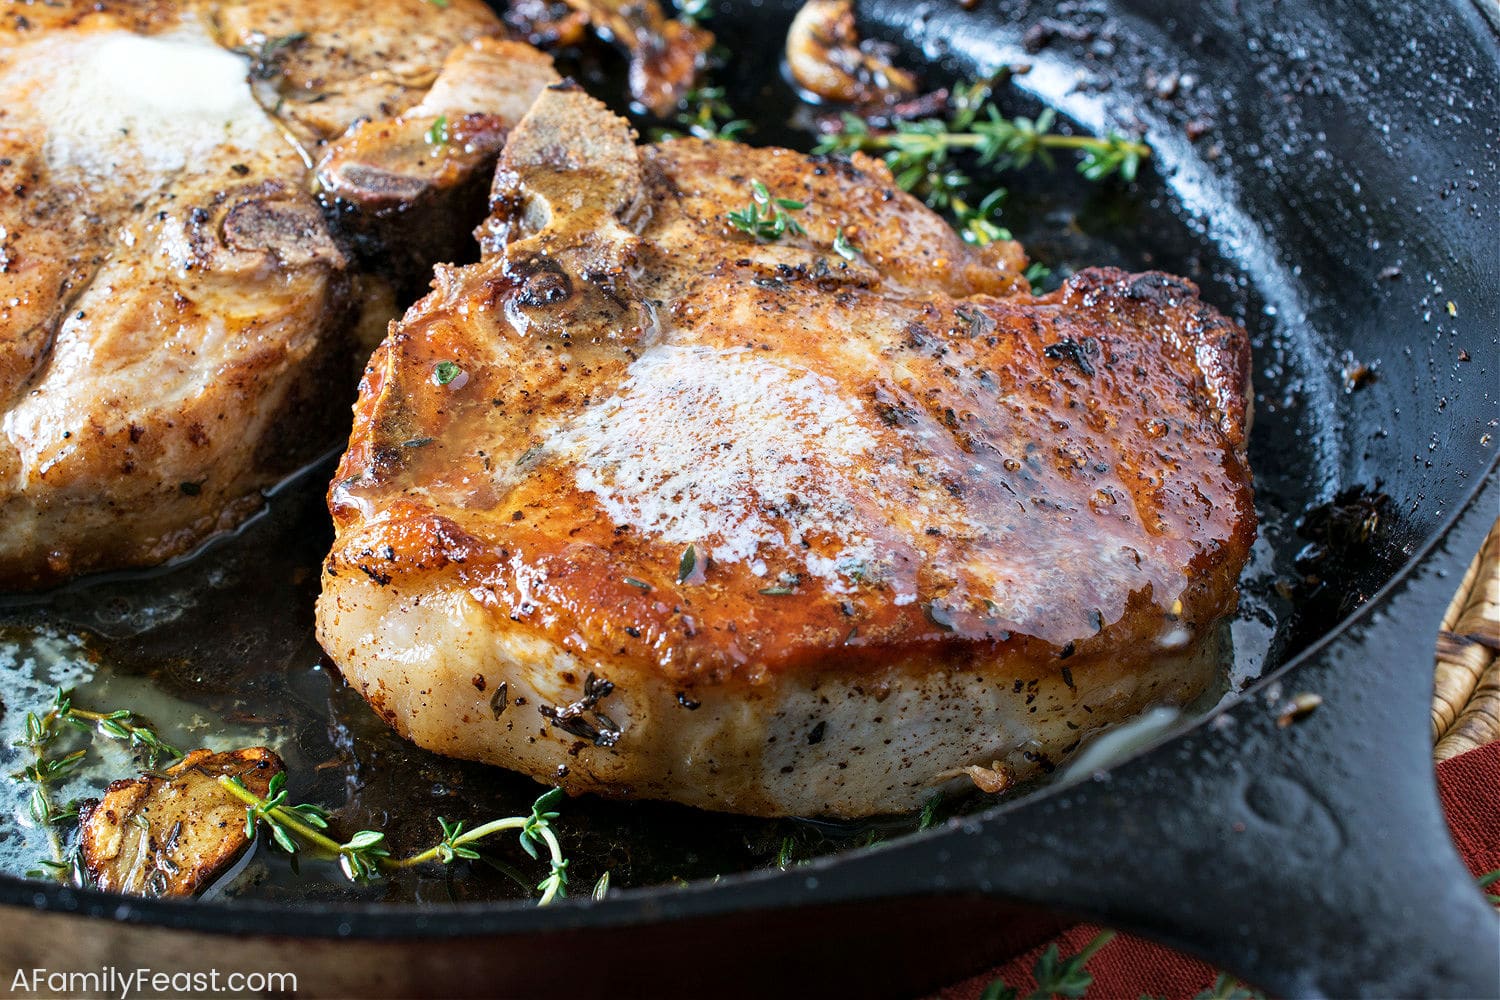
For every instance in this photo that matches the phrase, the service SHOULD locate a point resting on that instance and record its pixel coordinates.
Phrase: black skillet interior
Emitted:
(1337, 197)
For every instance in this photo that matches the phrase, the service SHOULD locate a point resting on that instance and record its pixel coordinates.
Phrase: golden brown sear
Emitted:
(687, 492)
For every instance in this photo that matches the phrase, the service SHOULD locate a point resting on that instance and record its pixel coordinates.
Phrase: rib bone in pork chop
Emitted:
(176, 314)
(650, 505)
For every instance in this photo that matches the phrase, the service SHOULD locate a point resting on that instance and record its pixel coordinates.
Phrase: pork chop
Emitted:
(176, 312)
(657, 501)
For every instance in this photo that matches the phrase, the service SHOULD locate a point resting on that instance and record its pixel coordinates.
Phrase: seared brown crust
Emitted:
(1130, 457)
(1141, 453)
(176, 336)
(969, 480)
(172, 834)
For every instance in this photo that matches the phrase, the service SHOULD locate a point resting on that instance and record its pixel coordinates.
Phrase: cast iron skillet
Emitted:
(1343, 140)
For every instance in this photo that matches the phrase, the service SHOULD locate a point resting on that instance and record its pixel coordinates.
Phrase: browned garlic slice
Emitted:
(172, 833)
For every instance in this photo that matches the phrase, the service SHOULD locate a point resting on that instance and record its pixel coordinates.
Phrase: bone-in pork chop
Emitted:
(176, 312)
(690, 494)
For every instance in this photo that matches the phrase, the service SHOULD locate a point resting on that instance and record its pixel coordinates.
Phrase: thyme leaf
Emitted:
(766, 217)
(265, 58)
(930, 811)
(843, 247)
(704, 113)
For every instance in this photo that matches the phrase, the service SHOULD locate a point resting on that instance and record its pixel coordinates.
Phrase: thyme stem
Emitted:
(365, 851)
(478, 833)
(283, 816)
(917, 142)
(1092, 948)
(42, 807)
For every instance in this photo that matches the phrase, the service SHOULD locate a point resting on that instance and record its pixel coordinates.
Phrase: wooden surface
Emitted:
(1466, 700)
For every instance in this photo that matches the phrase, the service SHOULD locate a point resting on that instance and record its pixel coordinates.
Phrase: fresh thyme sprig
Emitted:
(704, 113)
(1054, 976)
(41, 773)
(43, 730)
(1069, 977)
(365, 855)
(921, 154)
(766, 217)
(123, 725)
(919, 151)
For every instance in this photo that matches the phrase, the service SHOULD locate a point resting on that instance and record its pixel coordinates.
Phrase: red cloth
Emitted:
(1469, 786)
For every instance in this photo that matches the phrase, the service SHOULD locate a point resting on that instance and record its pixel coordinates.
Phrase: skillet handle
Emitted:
(1311, 860)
